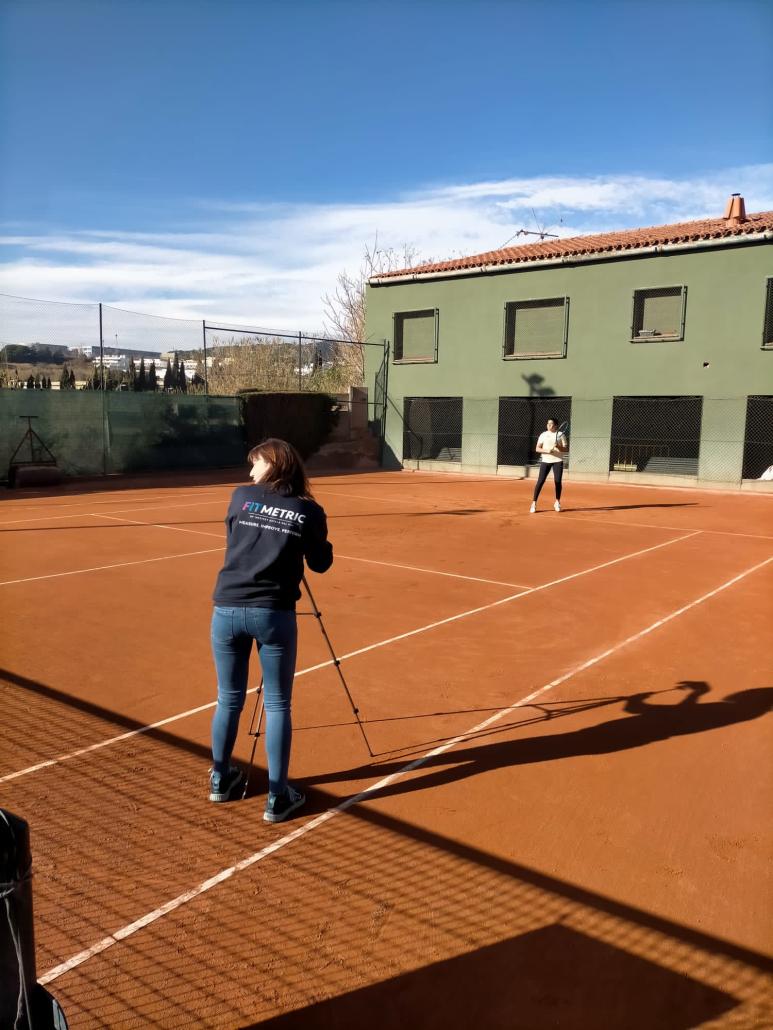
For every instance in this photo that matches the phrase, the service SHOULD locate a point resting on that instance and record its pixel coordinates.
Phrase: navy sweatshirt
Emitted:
(268, 536)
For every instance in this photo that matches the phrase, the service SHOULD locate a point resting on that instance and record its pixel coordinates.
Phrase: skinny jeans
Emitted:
(542, 475)
(276, 635)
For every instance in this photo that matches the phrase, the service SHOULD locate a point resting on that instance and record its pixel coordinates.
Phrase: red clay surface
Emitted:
(595, 856)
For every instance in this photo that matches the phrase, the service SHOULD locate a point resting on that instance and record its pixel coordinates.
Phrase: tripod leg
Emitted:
(355, 710)
(257, 710)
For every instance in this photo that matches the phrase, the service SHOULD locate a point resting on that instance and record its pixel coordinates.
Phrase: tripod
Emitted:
(258, 710)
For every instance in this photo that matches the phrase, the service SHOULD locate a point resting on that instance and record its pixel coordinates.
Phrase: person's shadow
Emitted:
(642, 723)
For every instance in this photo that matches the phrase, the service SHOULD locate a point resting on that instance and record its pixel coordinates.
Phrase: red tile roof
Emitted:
(608, 243)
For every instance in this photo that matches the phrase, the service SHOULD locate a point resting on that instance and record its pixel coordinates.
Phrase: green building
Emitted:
(656, 344)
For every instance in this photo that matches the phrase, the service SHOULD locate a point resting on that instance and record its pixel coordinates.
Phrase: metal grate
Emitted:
(432, 428)
(658, 314)
(659, 435)
(758, 437)
(536, 328)
(521, 420)
(767, 329)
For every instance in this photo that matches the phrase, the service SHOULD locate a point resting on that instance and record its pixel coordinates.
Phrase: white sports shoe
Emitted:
(533, 507)
(557, 506)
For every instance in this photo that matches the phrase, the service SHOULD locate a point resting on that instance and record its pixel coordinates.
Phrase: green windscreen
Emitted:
(93, 433)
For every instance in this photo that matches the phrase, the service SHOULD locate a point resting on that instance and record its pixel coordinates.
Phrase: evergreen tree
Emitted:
(176, 372)
(72, 379)
(96, 382)
(38, 384)
(182, 382)
(31, 382)
(64, 378)
(152, 380)
(48, 383)
(132, 375)
(142, 380)
(168, 376)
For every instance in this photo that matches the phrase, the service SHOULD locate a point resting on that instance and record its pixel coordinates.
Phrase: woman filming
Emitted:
(271, 527)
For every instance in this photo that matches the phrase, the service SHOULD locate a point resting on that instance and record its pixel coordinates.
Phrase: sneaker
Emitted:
(557, 506)
(533, 507)
(223, 786)
(279, 806)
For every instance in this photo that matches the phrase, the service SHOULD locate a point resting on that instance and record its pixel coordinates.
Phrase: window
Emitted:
(758, 437)
(767, 329)
(658, 314)
(416, 335)
(521, 420)
(656, 435)
(536, 328)
(432, 428)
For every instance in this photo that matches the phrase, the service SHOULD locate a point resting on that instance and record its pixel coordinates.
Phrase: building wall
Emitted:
(723, 327)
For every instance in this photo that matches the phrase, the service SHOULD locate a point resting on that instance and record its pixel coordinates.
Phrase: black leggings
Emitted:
(544, 469)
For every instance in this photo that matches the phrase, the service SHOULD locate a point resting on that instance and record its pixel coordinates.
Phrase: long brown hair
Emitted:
(286, 474)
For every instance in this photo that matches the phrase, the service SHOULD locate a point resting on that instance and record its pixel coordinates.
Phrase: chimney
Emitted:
(735, 210)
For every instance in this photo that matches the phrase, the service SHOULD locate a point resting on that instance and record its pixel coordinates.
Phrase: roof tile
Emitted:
(601, 243)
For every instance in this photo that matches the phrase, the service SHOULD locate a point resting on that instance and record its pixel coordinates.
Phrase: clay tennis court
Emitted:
(566, 821)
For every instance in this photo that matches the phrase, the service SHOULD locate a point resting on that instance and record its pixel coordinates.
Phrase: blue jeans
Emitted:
(276, 634)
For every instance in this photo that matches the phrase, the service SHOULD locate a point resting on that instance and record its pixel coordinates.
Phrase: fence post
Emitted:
(102, 389)
(300, 359)
(204, 336)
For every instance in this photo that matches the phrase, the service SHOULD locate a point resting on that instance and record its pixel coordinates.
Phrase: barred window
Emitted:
(536, 328)
(416, 335)
(658, 314)
(767, 329)
(432, 428)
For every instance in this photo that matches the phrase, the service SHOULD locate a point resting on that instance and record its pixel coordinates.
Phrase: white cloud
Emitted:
(269, 265)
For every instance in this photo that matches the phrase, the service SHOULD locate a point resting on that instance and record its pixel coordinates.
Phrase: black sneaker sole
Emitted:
(226, 795)
(278, 817)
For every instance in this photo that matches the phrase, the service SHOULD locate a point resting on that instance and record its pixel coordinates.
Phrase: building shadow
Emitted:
(555, 976)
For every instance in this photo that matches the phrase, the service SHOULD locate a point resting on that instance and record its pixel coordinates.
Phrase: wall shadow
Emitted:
(555, 976)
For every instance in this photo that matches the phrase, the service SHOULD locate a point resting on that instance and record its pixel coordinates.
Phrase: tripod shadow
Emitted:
(642, 723)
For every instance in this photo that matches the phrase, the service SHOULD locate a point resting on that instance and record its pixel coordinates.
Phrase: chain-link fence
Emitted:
(719, 440)
(98, 346)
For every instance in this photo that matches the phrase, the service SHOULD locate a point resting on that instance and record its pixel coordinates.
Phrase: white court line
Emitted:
(117, 511)
(201, 532)
(99, 568)
(433, 572)
(368, 792)
(577, 517)
(351, 654)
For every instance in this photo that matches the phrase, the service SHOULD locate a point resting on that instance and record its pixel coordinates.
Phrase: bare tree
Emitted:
(344, 310)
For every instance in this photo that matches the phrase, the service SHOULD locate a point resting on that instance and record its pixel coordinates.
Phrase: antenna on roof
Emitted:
(530, 232)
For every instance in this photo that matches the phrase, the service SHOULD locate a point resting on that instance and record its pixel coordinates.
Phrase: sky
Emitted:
(228, 159)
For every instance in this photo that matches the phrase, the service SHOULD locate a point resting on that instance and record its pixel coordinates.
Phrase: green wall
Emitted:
(724, 320)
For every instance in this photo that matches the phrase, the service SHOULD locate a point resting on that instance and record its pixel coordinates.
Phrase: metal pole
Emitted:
(104, 400)
(300, 358)
(204, 335)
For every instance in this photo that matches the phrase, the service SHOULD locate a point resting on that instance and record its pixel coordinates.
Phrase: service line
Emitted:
(351, 654)
(369, 792)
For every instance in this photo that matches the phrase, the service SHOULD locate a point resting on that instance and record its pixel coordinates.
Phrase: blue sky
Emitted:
(230, 158)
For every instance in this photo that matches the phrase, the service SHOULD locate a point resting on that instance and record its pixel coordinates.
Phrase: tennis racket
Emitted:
(562, 430)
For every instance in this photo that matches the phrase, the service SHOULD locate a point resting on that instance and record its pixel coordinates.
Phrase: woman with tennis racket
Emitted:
(551, 447)
(271, 528)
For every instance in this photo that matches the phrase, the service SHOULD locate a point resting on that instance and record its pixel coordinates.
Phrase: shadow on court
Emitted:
(635, 507)
(555, 976)
(372, 921)
(642, 723)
